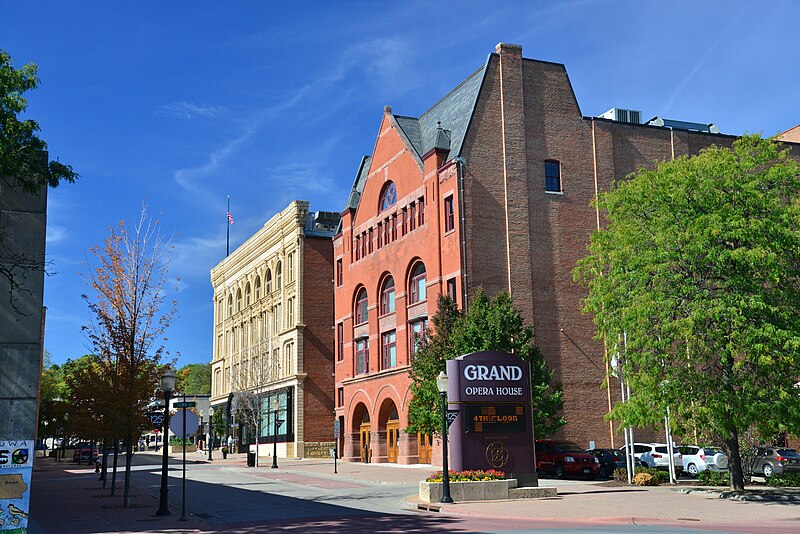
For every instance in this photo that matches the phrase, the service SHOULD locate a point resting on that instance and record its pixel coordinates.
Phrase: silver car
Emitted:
(697, 459)
(768, 461)
(655, 455)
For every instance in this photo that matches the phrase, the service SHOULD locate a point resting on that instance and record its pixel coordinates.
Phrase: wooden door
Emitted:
(366, 454)
(392, 437)
(424, 448)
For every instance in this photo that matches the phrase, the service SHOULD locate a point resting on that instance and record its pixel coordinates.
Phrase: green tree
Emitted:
(699, 269)
(52, 394)
(194, 379)
(23, 155)
(23, 164)
(488, 324)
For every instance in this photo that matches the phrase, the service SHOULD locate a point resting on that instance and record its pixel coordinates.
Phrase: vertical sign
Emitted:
(16, 464)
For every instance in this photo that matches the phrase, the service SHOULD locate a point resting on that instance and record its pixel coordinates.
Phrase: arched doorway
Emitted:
(391, 423)
(361, 422)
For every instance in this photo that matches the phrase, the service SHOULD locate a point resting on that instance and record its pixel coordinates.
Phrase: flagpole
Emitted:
(228, 228)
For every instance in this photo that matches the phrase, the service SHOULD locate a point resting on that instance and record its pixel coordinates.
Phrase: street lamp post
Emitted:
(64, 441)
(167, 385)
(275, 406)
(210, 433)
(441, 385)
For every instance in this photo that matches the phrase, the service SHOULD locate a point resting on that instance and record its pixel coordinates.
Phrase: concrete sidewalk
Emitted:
(66, 490)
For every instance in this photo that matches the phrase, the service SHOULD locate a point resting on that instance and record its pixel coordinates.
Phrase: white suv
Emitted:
(655, 455)
(698, 459)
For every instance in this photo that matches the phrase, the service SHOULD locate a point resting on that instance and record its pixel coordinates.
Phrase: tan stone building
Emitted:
(273, 309)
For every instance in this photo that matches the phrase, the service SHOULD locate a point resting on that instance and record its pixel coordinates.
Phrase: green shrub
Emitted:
(645, 479)
(620, 475)
(180, 441)
(468, 476)
(784, 480)
(661, 477)
(714, 478)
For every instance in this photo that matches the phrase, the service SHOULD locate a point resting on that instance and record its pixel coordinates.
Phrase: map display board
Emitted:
(16, 465)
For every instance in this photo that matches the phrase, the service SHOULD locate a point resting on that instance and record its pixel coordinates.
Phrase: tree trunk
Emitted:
(104, 466)
(114, 466)
(126, 500)
(731, 443)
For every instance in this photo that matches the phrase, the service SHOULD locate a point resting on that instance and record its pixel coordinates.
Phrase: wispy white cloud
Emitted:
(55, 234)
(386, 61)
(195, 256)
(188, 110)
(683, 83)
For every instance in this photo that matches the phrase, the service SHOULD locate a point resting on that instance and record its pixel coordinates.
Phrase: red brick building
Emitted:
(492, 187)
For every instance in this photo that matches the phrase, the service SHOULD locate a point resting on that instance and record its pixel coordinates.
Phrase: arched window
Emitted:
(387, 296)
(361, 307)
(417, 288)
(388, 196)
(278, 276)
(258, 287)
(247, 295)
(269, 281)
(238, 300)
(230, 305)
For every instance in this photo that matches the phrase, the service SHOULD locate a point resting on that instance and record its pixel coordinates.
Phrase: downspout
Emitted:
(597, 218)
(461, 235)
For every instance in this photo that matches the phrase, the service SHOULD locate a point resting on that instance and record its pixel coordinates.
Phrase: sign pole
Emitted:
(183, 441)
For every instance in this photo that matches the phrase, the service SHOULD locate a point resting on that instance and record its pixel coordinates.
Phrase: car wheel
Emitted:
(560, 473)
(693, 471)
(768, 471)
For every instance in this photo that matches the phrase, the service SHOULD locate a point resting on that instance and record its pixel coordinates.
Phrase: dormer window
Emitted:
(388, 196)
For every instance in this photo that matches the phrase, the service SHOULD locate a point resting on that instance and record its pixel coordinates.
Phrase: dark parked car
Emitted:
(610, 459)
(87, 451)
(768, 461)
(562, 458)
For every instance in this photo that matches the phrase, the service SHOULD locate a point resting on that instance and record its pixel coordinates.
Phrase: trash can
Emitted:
(251, 459)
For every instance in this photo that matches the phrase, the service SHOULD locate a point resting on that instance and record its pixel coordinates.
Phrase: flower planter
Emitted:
(482, 490)
(178, 449)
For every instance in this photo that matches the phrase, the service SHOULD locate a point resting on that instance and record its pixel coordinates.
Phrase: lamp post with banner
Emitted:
(441, 385)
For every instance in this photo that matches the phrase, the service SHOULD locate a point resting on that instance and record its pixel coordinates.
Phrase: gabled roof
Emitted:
(452, 113)
(358, 185)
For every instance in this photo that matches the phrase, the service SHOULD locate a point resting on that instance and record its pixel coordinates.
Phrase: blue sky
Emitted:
(179, 104)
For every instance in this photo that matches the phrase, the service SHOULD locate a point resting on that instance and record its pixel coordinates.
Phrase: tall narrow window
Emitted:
(278, 276)
(389, 350)
(361, 307)
(552, 176)
(290, 312)
(370, 238)
(421, 210)
(451, 290)
(449, 214)
(394, 227)
(380, 235)
(387, 296)
(418, 283)
(358, 248)
(258, 287)
(339, 272)
(418, 334)
(363, 244)
(247, 295)
(403, 219)
(412, 217)
(269, 281)
(386, 231)
(362, 356)
(340, 341)
(290, 268)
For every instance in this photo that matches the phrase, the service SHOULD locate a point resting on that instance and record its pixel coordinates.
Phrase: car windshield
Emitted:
(662, 449)
(568, 447)
(787, 452)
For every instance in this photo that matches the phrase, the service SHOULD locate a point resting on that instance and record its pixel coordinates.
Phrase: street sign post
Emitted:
(337, 426)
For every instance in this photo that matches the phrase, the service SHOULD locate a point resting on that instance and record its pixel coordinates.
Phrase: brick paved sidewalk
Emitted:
(61, 491)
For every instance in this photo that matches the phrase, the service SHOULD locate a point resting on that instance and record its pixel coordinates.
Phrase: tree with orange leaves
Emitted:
(130, 314)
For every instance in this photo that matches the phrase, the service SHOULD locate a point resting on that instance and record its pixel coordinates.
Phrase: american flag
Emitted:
(230, 218)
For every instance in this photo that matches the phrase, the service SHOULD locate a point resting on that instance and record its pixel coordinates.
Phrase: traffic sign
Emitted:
(185, 404)
(336, 428)
(176, 424)
(156, 419)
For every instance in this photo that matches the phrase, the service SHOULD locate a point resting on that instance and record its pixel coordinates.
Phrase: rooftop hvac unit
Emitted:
(630, 116)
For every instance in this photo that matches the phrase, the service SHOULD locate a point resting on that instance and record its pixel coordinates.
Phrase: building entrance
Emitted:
(365, 440)
(392, 438)
(424, 448)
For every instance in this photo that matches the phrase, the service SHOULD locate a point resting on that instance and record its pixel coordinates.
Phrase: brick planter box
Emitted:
(178, 449)
(484, 490)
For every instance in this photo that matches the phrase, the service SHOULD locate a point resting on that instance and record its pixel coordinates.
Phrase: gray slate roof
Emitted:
(453, 112)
